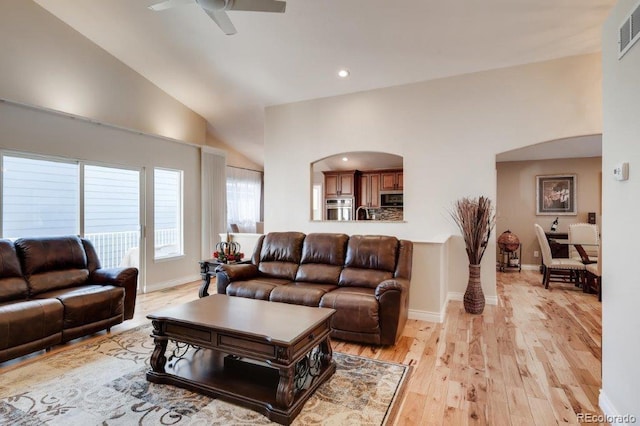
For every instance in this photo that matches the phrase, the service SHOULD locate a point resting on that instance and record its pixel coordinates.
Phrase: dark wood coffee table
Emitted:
(266, 356)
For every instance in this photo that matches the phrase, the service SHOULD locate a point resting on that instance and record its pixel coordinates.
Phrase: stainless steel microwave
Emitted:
(391, 199)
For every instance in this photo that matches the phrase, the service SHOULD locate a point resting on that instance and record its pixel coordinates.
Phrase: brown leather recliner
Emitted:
(53, 290)
(365, 278)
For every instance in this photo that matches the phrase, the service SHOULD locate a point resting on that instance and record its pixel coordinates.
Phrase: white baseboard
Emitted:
(611, 415)
(524, 267)
(454, 295)
(172, 283)
(428, 316)
(530, 267)
(440, 316)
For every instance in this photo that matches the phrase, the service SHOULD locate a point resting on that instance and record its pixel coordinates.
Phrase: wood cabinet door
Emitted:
(331, 186)
(346, 184)
(392, 180)
(388, 181)
(369, 190)
(400, 180)
(365, 192)
(374, 184)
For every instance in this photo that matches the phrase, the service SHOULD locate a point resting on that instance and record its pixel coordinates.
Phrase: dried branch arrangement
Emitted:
(475, 218)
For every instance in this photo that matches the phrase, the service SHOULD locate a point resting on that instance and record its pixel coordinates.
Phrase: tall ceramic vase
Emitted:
(473, 296)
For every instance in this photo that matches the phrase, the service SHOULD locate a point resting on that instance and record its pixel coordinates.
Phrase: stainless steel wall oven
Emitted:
(339, 209)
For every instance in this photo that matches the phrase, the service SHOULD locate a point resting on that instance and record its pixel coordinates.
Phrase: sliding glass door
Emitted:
(49, 197)
(112, 214)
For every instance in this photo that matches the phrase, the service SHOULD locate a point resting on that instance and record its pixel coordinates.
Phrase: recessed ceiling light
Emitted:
(345, 159)
(343, 73)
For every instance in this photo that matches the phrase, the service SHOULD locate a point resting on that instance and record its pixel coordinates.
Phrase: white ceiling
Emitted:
(282, 58)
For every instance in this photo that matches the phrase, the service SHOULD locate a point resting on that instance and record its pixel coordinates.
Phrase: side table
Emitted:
(207, 270)
(507, 257)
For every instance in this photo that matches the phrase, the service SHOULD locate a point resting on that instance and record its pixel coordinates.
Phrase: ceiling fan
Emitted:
(217, 9)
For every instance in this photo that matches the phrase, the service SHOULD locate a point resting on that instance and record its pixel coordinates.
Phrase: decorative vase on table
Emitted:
(475, 218)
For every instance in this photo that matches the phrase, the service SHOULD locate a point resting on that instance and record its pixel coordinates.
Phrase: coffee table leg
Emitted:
(294, 379)
(158, 360)
(284, 394)
(326, 352)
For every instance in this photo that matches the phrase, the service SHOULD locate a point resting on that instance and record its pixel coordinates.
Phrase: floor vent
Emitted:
(629, 31)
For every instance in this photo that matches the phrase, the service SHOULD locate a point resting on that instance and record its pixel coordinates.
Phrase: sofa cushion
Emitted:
(301, 293)
(87, 304)
(317, 273)
(370, 260)
(258, 288)
(29, 320)
(329, 249)
(280, 254)
(357, 309)
(369, 278)
(12, 285)
(372, 252)
(55, 280)
(51, 263)
(322, 258)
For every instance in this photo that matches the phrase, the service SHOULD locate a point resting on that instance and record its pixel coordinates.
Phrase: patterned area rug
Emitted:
(103, 383)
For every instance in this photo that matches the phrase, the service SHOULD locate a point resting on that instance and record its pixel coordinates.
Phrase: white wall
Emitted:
(448, 132)
(34, 131)
(47, 64)
(234, 158)
(620, 230)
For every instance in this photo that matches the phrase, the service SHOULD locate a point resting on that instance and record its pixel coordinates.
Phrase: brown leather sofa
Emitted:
(365, 278)
(53, 290)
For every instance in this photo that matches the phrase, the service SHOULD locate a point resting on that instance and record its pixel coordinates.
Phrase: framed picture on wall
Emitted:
(556, 195)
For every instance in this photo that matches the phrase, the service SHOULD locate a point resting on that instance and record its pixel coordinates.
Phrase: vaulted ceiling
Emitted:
(294, 56)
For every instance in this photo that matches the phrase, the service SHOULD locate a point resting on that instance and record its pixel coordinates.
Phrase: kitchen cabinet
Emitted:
(369, 190)
(339, 184)
(392, 180)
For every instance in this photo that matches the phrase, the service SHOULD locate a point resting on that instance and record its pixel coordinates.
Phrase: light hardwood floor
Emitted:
(534, 359)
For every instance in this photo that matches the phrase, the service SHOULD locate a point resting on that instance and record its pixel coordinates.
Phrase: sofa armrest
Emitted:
(126, 278)
(399, 284)
(226, 274)
(393, 297)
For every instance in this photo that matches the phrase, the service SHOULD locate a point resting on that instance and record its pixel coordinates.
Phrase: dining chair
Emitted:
(587, 236)
(553, 268)
(594, 275)
(234, 228)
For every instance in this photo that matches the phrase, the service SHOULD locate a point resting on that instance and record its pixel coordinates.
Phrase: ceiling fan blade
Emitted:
(223, 21)
(258, 5)
(169, 4)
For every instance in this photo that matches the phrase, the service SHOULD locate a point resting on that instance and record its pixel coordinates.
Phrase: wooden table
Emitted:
(207, 270)
(557, 249)
(267, 356)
